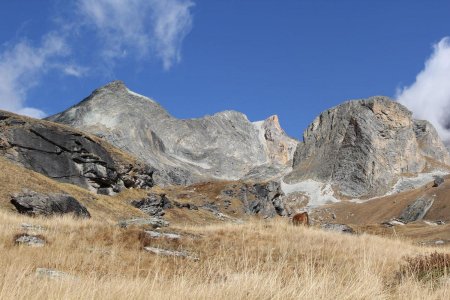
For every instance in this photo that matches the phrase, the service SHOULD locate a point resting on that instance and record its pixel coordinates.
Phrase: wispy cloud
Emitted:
(21, 67)
(122, 25)
(172, 22)
(74, 70)
(139, 27)
(429, 96)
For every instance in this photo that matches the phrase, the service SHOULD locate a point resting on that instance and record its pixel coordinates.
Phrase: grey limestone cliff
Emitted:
(362, 146)
(429, 142)
(225, 145)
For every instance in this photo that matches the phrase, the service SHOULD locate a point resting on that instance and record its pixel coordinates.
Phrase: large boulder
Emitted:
(67, 155)
(363, 146)
(438, 180)
(34, 204)
(416, 210)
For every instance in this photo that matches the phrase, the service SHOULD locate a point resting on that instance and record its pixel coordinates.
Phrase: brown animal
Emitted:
(300, 219)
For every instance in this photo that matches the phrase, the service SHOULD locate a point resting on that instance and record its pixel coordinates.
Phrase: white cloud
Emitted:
(141, 27)
(172, 22)
(21, 66)
(429, 96)
(74, 70)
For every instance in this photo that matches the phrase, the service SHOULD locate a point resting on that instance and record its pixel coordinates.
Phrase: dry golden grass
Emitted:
(255, 260)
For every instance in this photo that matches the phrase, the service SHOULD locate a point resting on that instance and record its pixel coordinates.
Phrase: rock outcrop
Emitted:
(362, 146)
(53, 274)
(29, 240)
(416, 210)
(155, 222)
(438, 180)
(34, 204)
(337, 227)
(67, 155)
(153, 205)
(166, 252)
(429, 142)
(222, 146)
(264, 199)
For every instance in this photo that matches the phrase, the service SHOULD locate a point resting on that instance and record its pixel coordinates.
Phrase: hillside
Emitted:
(254, 260)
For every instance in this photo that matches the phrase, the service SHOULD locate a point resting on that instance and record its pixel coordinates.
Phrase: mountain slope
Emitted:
(223, 146)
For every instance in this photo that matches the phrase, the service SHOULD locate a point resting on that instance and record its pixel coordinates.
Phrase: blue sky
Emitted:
(290, 58)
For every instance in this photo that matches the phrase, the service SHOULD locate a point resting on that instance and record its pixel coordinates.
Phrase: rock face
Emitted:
(362, 146)
(154, 222)
(224, 146)
(34, 204)
(29, 240)
(279, 147)
(337, 227)
(153, 205)
(264, 199)
(429, 142)
(416, 210)
(53, 274)
(166, 252)
(69, 156)
(438, 180)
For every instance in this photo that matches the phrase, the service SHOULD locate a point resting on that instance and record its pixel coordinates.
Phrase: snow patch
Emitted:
(139, 95)
(319, 193)
(409, 183)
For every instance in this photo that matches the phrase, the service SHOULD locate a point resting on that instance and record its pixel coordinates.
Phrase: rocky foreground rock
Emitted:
(68, 155)
(416, 210)
(34, 204)
(225, 145)
(363, 146)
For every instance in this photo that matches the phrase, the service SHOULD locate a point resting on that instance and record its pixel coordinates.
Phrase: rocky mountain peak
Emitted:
(114, 86)
(360, 147)
(363, 146)
(225, 145)
(117, 93)
(274, 123)
(280, 147)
